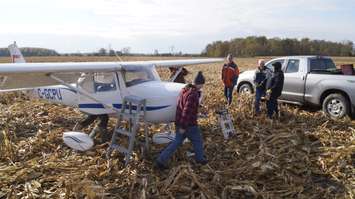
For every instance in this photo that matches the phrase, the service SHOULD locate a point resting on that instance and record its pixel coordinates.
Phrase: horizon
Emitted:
(152, 53)
(168, 26)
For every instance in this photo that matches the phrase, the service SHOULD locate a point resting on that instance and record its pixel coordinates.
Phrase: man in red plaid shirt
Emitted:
(186, 123)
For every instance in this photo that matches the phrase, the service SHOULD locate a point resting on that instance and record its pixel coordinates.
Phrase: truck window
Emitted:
(269, 65)
(322, 64)
(292, 66)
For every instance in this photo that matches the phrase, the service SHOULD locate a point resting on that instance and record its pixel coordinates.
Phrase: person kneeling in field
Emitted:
(186, 123)
(230, 73)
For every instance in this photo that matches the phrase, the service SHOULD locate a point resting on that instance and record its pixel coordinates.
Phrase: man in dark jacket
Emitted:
(186, 123)
(274, 89)
(261, 75)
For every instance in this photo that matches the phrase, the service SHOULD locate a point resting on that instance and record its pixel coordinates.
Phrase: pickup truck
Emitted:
(310, 80)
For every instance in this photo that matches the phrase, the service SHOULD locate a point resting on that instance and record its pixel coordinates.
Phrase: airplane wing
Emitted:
(16, 76)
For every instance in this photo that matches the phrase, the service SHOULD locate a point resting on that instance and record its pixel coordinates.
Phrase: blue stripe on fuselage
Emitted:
(119, 106)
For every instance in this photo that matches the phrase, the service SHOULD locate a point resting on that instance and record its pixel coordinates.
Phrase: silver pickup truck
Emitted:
(310, 80)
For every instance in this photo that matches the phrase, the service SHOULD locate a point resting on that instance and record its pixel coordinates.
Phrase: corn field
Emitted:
(303, 154)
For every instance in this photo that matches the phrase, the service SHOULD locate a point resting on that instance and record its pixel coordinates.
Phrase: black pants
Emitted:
(91, 118)
(272, 106)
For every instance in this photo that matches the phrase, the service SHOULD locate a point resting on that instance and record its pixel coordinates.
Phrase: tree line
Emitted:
(241, 47)
(262, 46)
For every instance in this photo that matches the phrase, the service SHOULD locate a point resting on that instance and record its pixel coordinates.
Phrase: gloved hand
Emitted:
(268, 93)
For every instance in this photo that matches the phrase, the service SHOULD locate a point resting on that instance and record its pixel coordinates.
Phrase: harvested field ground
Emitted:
(302, 155)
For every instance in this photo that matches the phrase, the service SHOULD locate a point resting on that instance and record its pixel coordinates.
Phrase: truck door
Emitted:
(294, 80)
(102, 86)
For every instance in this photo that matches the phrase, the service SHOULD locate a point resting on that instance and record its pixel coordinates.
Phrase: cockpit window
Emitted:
(104, 82)
(134, 75)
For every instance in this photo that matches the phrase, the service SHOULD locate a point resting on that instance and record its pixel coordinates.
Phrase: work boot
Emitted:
(104, 136)
(257, 113)
(202, 162)
(160, 165)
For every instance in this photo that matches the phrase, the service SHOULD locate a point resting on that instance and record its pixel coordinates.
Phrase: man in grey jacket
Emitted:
(260, 78)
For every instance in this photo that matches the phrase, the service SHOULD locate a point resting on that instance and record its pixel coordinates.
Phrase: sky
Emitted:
(69, 26)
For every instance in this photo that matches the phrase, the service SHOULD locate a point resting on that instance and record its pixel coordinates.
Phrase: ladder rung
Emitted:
(119, 148)
(123, 132)
(133, 111)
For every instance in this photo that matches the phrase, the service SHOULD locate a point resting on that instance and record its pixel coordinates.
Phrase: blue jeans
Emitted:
(259, 93)
(272, 106)
(228, 93)
(194, 135)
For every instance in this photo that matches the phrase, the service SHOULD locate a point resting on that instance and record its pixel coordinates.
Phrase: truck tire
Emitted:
(336, 106)
(245, 88)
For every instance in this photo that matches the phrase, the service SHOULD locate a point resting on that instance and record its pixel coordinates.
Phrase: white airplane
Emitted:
(97, 87)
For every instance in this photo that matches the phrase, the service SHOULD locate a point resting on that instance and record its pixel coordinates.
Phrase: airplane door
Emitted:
(103, 87)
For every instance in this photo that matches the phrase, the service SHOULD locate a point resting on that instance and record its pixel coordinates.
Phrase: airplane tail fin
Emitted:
(16, 54)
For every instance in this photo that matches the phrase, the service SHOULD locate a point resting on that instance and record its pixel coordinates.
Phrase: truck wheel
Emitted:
(245, 88)
(336, 106)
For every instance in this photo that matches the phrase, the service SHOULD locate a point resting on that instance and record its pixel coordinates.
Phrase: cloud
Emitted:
(177, 22)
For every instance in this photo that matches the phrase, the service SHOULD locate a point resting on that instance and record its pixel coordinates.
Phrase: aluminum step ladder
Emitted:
(226, 122)
(133, 111)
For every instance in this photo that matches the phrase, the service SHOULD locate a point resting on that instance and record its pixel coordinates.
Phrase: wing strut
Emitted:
(83, 92)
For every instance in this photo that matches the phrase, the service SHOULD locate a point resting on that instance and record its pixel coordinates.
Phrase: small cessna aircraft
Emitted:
(97, 87)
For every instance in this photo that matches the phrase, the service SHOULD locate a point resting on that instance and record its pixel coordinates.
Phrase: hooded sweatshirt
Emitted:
(187, 107)
(276, 83)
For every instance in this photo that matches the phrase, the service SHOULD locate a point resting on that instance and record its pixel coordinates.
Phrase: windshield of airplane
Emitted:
(134, 75)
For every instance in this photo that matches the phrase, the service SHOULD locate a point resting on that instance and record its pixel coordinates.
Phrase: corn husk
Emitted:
(300, 155)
